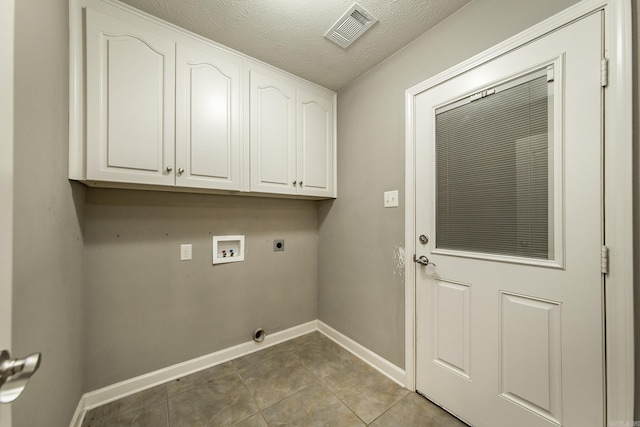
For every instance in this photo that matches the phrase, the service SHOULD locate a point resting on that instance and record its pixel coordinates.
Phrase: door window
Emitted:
(494, 170)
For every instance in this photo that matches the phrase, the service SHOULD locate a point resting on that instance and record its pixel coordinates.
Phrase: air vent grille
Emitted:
(358, 16)
(350, 26)
(349, 29)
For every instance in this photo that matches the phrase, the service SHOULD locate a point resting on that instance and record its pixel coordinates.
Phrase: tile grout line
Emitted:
(318, 380)
(358, 362)
(347, 406)
(340, 400)
(390, 408)
(250, 395)
(166, 395)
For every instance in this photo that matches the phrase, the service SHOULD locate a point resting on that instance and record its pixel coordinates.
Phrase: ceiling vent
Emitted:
(350, 26)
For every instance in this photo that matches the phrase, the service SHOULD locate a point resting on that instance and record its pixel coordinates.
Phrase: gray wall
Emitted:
(47, 259)
(361, 283)
(636, 199)
(145, 309)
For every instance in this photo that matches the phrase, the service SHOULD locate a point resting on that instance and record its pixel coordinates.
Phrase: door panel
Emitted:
(315, 142)
(130, 102)
(534, 336)
(530, 353)
(272, 133)
(207, 119)
(451, 325)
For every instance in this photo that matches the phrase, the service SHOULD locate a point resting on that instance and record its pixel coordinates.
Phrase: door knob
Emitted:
(422, 260)
(14, 374)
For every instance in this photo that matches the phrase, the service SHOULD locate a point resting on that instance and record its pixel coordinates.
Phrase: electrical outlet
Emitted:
(185, 252)
(391, 199)
(278, 245)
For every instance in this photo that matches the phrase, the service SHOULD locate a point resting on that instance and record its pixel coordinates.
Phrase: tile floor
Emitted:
(307, 381)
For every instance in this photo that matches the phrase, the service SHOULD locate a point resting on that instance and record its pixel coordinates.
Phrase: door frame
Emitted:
(618, 124)
(7, 19)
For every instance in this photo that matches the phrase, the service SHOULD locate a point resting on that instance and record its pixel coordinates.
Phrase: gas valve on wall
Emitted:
(15, 374)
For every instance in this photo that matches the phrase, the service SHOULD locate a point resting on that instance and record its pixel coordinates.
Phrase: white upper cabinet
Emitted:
(130, 102)
(272, 103)
(156, 107)
(315, 143)
(291, 134)
(208, 119)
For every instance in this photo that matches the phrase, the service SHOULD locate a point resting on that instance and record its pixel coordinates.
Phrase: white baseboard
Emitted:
(78, 415)
(137, 384)
(385, 367)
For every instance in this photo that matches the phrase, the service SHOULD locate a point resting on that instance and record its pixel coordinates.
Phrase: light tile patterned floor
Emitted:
(308, 381)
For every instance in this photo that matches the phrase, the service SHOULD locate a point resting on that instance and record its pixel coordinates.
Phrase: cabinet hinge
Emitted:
(604, 260)
(604, 72)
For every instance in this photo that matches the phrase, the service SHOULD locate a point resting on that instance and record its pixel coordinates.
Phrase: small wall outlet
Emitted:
(185, 252)
(278, 245)
(391, 199)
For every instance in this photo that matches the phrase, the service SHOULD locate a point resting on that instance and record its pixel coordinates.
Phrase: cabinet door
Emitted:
(130, 102)
(315, 144)
(208, 118)
(272, 133)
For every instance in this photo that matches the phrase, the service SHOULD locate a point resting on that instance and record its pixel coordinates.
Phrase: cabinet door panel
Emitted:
(315, 144)
(208, 119)
(130, 75)
(272, 135)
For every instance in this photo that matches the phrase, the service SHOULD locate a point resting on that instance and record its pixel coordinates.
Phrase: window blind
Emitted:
(492, 172)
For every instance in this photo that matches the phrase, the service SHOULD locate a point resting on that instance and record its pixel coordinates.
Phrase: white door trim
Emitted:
(6, 179)
(618, 190)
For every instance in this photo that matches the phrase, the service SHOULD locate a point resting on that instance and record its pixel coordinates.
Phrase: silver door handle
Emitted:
(14, 375)
(422, 260)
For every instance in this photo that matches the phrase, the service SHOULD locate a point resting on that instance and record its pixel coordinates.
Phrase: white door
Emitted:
(509, 320)
(315, 143)
(207, 118)
(272, 132)
(130, 102)
(6, 182)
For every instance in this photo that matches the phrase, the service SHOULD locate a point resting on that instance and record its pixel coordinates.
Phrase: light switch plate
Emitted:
(185, 252)
(391, 199)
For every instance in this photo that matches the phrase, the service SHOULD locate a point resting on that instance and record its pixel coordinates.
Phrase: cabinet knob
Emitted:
(300, 183)
(169, 168)
(295, 182)
(181, 170)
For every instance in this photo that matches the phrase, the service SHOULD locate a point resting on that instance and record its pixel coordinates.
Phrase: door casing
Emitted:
(6, 181)
(618, 193)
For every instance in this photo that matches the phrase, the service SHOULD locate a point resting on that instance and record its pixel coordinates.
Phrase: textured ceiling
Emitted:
(289, 34)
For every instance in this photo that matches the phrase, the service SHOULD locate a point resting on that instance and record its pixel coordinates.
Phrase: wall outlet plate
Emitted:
(186, 252)
(278, 245)
(391, 199)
